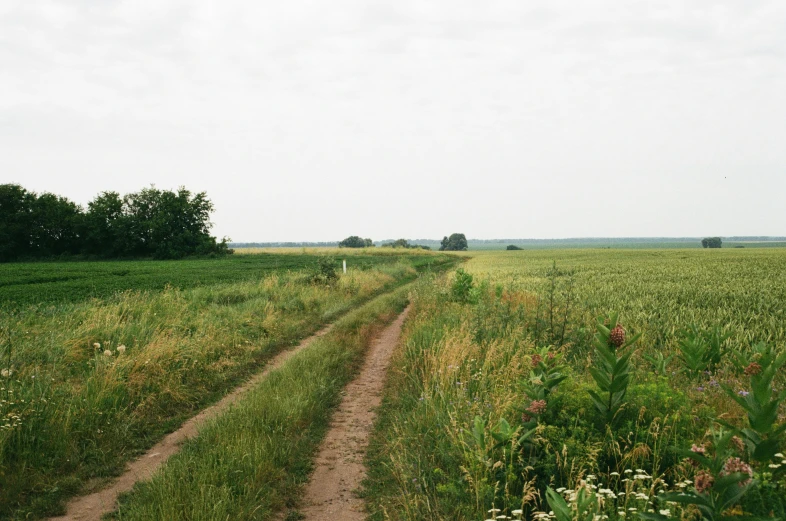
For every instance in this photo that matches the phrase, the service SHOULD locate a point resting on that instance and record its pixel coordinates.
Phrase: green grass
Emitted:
(69, 414)
(57, 282)
(252, 460)
(466, 366)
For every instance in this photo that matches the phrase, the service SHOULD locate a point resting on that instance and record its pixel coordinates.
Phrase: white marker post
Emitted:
(345, 266)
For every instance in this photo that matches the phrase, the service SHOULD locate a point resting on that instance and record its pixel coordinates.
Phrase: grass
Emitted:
(47, 283)
(251, 461)
(457, 434)
(71, 414)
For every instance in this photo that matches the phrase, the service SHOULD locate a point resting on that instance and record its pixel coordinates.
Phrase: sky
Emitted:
(314, 120)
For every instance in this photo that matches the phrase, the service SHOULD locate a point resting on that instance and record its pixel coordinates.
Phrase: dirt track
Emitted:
(339, 467)
(92, 506)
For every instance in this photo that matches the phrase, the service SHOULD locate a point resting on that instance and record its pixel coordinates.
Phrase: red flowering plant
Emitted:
(546, 373)
(720, 481)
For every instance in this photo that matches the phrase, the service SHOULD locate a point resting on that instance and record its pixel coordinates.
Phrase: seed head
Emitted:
(121, 349)
(107, 353)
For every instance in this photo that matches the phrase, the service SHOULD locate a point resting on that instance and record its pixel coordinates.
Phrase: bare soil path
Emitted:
(339, 469)
(92, 506)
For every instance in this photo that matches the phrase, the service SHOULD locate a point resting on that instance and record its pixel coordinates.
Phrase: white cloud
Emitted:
(310, 120)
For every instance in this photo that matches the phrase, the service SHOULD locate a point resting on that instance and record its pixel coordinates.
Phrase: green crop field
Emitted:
(515, 390)
(52, 282)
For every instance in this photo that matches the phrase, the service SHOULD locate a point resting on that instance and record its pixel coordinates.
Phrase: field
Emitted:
(513, 392)
(57, 282)
(507, 393)
(88, 383)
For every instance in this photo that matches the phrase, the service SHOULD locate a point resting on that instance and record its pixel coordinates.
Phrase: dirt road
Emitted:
(339, 466)
(92, 506)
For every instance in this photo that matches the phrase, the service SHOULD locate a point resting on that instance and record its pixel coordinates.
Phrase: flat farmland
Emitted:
(53, 282)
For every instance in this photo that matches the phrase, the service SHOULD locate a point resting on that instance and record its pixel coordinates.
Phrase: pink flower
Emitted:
(703, 481)
(736, 465)
(536, 407)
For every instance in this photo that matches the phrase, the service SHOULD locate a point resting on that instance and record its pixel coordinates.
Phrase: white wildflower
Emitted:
(6, 372)
(107, 353)
(97, 345)
(121, 349)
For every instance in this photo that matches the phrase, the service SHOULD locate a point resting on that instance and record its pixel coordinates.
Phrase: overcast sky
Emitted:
(315, 120)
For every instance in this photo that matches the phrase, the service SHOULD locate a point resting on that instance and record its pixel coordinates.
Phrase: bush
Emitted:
(355, 241)
(512, 247)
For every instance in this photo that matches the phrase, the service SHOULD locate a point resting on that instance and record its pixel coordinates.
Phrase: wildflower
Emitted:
(617, 336)
(525, 418)
(121, 349)
(703, 481)
(665, 512)
(107, 353)
(774, 466)
(753, 369)
(6, 373)
(97, 345)
(738, 444)
(734, 465)
(537, 407)
(779, 455)
(536, 359)
(743, 393)
(700, 389)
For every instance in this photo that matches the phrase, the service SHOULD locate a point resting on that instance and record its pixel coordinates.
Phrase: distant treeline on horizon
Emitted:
(586, 242)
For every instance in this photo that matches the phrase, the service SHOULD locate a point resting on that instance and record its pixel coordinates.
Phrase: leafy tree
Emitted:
(512, 247)
(55, 225)
(16, 219)
(151, 222)
(105, 227)
(456, 242)
(354, 241)
(711, 242)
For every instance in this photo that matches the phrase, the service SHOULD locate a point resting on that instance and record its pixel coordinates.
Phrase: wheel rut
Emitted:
(339, 469)
(93, 506)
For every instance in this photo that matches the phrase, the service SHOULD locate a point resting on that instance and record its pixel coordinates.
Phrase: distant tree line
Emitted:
(711, 242)
(354, 241)
(150, 223)
(403, 243)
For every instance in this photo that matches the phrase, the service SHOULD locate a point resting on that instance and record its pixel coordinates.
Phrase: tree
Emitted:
(711, 242)
(456, 242)
(16, 218)
(355, 241)
(513, 247)
(105, 227)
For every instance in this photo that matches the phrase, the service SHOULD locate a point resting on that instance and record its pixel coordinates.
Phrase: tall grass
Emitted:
(250, 461)
(86, 386)
(462, 428)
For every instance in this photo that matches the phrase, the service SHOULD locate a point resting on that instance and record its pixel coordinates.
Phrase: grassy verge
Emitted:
(477, 415)
(88, 385)
(251, 461)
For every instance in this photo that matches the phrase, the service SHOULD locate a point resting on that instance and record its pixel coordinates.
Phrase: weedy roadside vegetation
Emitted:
(610, 385)
(252, 460)
(87, 385)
